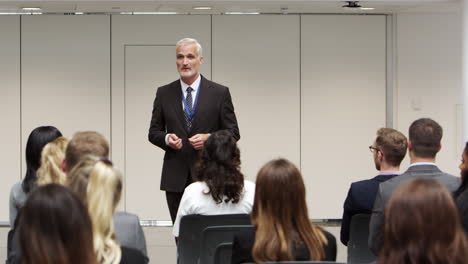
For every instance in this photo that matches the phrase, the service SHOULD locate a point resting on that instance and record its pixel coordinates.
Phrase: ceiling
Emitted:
(223, 6)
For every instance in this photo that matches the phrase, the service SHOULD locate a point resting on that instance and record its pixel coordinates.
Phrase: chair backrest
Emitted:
(223, 252)
(217, 243)
(358, 249)
(191, 230)
(300, 262)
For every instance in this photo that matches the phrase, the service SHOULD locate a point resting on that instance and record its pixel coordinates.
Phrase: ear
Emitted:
(410, 145)
(201, 59)
(63, 166)
(380, 155)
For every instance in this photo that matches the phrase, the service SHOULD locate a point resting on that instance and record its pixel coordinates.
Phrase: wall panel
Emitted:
(10, 157)
(257, 57)
(66, 73)
(429, 78)
(342, 104)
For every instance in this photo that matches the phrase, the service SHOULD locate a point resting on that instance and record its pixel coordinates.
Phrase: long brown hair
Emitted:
(422, 225)
(54, 227)
(280, 215)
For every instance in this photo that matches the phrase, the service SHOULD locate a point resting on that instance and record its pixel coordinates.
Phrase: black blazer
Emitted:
(214, 111)
(244, 241)
(360, 200)
(462, 204)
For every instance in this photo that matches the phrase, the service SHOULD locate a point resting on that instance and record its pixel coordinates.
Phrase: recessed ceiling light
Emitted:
(242, 13)
(202, 7)
(31, 8)
(79, 13)
(155, 13)
(367, 8)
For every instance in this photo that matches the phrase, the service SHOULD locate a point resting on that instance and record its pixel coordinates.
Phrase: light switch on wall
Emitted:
(416, 104)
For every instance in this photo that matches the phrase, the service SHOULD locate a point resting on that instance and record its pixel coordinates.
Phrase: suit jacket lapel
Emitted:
(177, 100)
(202, 102)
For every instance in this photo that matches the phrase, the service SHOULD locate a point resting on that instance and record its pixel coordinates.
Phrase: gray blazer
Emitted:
(386, 189)
(129, 232)
(17, 200)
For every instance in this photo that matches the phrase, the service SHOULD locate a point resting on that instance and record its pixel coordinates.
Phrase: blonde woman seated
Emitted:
(99, 185)
(52, 157)
(220, 187)
(282, 229)
(422, 226)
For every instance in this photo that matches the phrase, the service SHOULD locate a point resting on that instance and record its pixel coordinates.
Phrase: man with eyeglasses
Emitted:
(388, 150)
(425, 135)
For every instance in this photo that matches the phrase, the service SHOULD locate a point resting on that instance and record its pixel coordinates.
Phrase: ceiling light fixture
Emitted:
(202, 7)
(155, 13)
(242, 13)
(367, 8)
(31, 9)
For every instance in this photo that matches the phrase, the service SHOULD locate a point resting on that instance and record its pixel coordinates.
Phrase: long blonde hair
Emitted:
(100, 185)
(280, 215)
(51, 159)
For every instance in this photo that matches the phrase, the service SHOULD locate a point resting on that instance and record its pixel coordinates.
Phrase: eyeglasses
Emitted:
(373, 149)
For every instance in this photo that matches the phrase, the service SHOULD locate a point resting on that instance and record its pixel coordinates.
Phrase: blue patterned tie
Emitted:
(188, 107)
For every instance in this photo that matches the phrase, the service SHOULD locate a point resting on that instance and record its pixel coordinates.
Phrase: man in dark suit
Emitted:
(389, 149)
(424, 142)
(185, 112)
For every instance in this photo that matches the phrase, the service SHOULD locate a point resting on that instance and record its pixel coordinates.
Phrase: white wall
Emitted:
(65, 73)
(343, 104)
(10, 96)
(429, 78)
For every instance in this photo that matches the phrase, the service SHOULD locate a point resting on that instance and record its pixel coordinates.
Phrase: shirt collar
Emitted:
(389, 173)
(195, 85)
(421, 163)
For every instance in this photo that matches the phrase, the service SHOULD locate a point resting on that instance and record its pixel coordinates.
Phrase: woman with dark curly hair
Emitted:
(220, 187)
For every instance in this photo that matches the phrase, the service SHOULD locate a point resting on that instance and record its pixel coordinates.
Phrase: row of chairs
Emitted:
(207, 239)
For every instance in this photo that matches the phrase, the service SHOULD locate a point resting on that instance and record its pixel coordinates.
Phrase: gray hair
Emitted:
(186, 41)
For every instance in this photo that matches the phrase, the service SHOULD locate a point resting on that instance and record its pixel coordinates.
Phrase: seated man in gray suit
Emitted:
(424, 142)
(126, 225)
(388, 150)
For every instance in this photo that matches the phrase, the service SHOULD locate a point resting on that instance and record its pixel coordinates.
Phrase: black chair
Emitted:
(217, 243)
(358, 249)
(223, 252)
(191, 231)
(299, 262)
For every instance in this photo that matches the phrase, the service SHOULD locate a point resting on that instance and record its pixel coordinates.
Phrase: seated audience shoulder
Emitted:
(129, 232)
(197, 200)
(244, 242)
(132, 256)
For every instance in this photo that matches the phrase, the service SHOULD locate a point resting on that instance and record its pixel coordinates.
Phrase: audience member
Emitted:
(389, 149)
(127, 225)
(220, 187)
(55, 227)
(461, 194)
(52, 157)
(424, 142)
(283, 231)
(99, 185)
(38, 138)
(422, 225)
